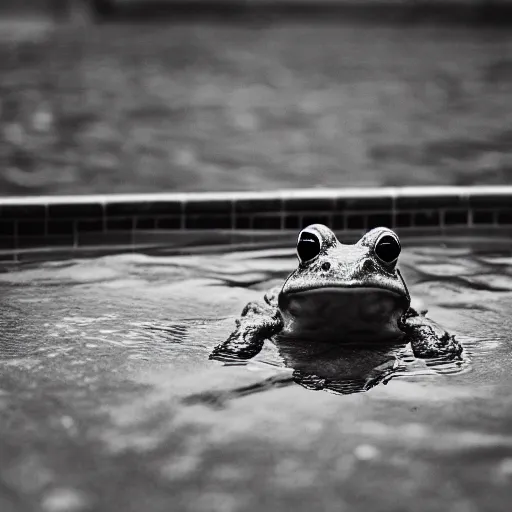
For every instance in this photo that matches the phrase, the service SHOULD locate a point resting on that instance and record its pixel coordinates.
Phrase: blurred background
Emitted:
(100, 96)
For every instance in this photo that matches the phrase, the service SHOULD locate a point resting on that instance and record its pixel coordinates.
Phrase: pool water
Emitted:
(109, 401)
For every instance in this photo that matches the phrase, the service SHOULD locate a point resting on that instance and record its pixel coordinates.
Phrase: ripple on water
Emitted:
(135, 287)
(106, 361)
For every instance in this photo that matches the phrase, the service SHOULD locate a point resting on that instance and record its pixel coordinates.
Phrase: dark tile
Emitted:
(208, 222)
(242, 222)
(119, 224)
(267, 222)
(119, 238)
(145, 223)
(403, 220)
(89, 226)
(291, 222)
(377, 220)
(74, 211)
(7, 228)
(426, 218)
(483, 217)
(29, 242)
(41, 254)
(364, 203)
(307, 220)
(173, 222)
(31, 228)
(505, 217)
(7, 257)
(258, 205)
(104, 239)
(309, 205)
(490, 200)
(431, 202)
(60, 227)
(46, 241)
(455, 217)
(153, 237)
(356, 222)
(60, 241)
(37, 211)
(143, 208)
(338, 221)
(8, 242)
(209, 206)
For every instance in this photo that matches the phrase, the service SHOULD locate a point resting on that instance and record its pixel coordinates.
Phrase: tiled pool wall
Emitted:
(31, 226)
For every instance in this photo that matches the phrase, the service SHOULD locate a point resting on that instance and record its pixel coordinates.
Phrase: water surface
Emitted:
(109, 402)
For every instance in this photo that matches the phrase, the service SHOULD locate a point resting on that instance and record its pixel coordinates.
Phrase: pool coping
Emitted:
(136, 221)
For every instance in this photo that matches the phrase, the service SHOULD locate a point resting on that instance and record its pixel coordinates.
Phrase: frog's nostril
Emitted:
(326, 265)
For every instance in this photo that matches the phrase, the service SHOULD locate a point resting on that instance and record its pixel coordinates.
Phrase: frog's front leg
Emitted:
(258, 322)
(427, 338)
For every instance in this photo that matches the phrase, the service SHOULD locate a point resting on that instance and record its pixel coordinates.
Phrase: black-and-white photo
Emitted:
(255, 255)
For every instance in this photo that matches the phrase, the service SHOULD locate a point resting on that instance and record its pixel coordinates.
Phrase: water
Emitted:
(251, 106)
(109, 402)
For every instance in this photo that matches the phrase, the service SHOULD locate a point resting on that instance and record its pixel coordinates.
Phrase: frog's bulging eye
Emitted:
(388, 249)
(308, 246)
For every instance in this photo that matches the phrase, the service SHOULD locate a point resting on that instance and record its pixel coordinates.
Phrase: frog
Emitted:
(340, 294)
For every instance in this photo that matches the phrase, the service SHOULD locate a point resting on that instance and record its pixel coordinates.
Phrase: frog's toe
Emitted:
(426, 343)
(247, 340)
(237, 347)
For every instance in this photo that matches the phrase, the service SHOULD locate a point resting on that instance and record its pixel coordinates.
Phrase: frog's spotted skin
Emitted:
(340, 293)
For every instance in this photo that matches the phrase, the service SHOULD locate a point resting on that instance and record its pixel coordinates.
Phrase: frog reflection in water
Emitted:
(340, 312)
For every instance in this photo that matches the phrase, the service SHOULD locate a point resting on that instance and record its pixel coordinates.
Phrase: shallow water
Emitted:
(109, 402)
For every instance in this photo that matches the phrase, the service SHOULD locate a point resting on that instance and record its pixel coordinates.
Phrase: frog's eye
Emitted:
(308, 246)
(388, 249)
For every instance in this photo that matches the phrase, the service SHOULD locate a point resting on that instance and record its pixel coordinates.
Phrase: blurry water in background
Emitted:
(254, 104)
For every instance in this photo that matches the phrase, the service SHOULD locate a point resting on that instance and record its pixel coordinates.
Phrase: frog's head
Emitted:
(344, 291)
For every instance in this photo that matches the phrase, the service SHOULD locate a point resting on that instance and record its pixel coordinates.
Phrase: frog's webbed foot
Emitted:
(258, 322)
(428, 339)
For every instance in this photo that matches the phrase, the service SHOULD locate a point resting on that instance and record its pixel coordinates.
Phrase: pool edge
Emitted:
(133, 221)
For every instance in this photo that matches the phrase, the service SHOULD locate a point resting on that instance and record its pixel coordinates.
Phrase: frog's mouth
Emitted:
(330, 313)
